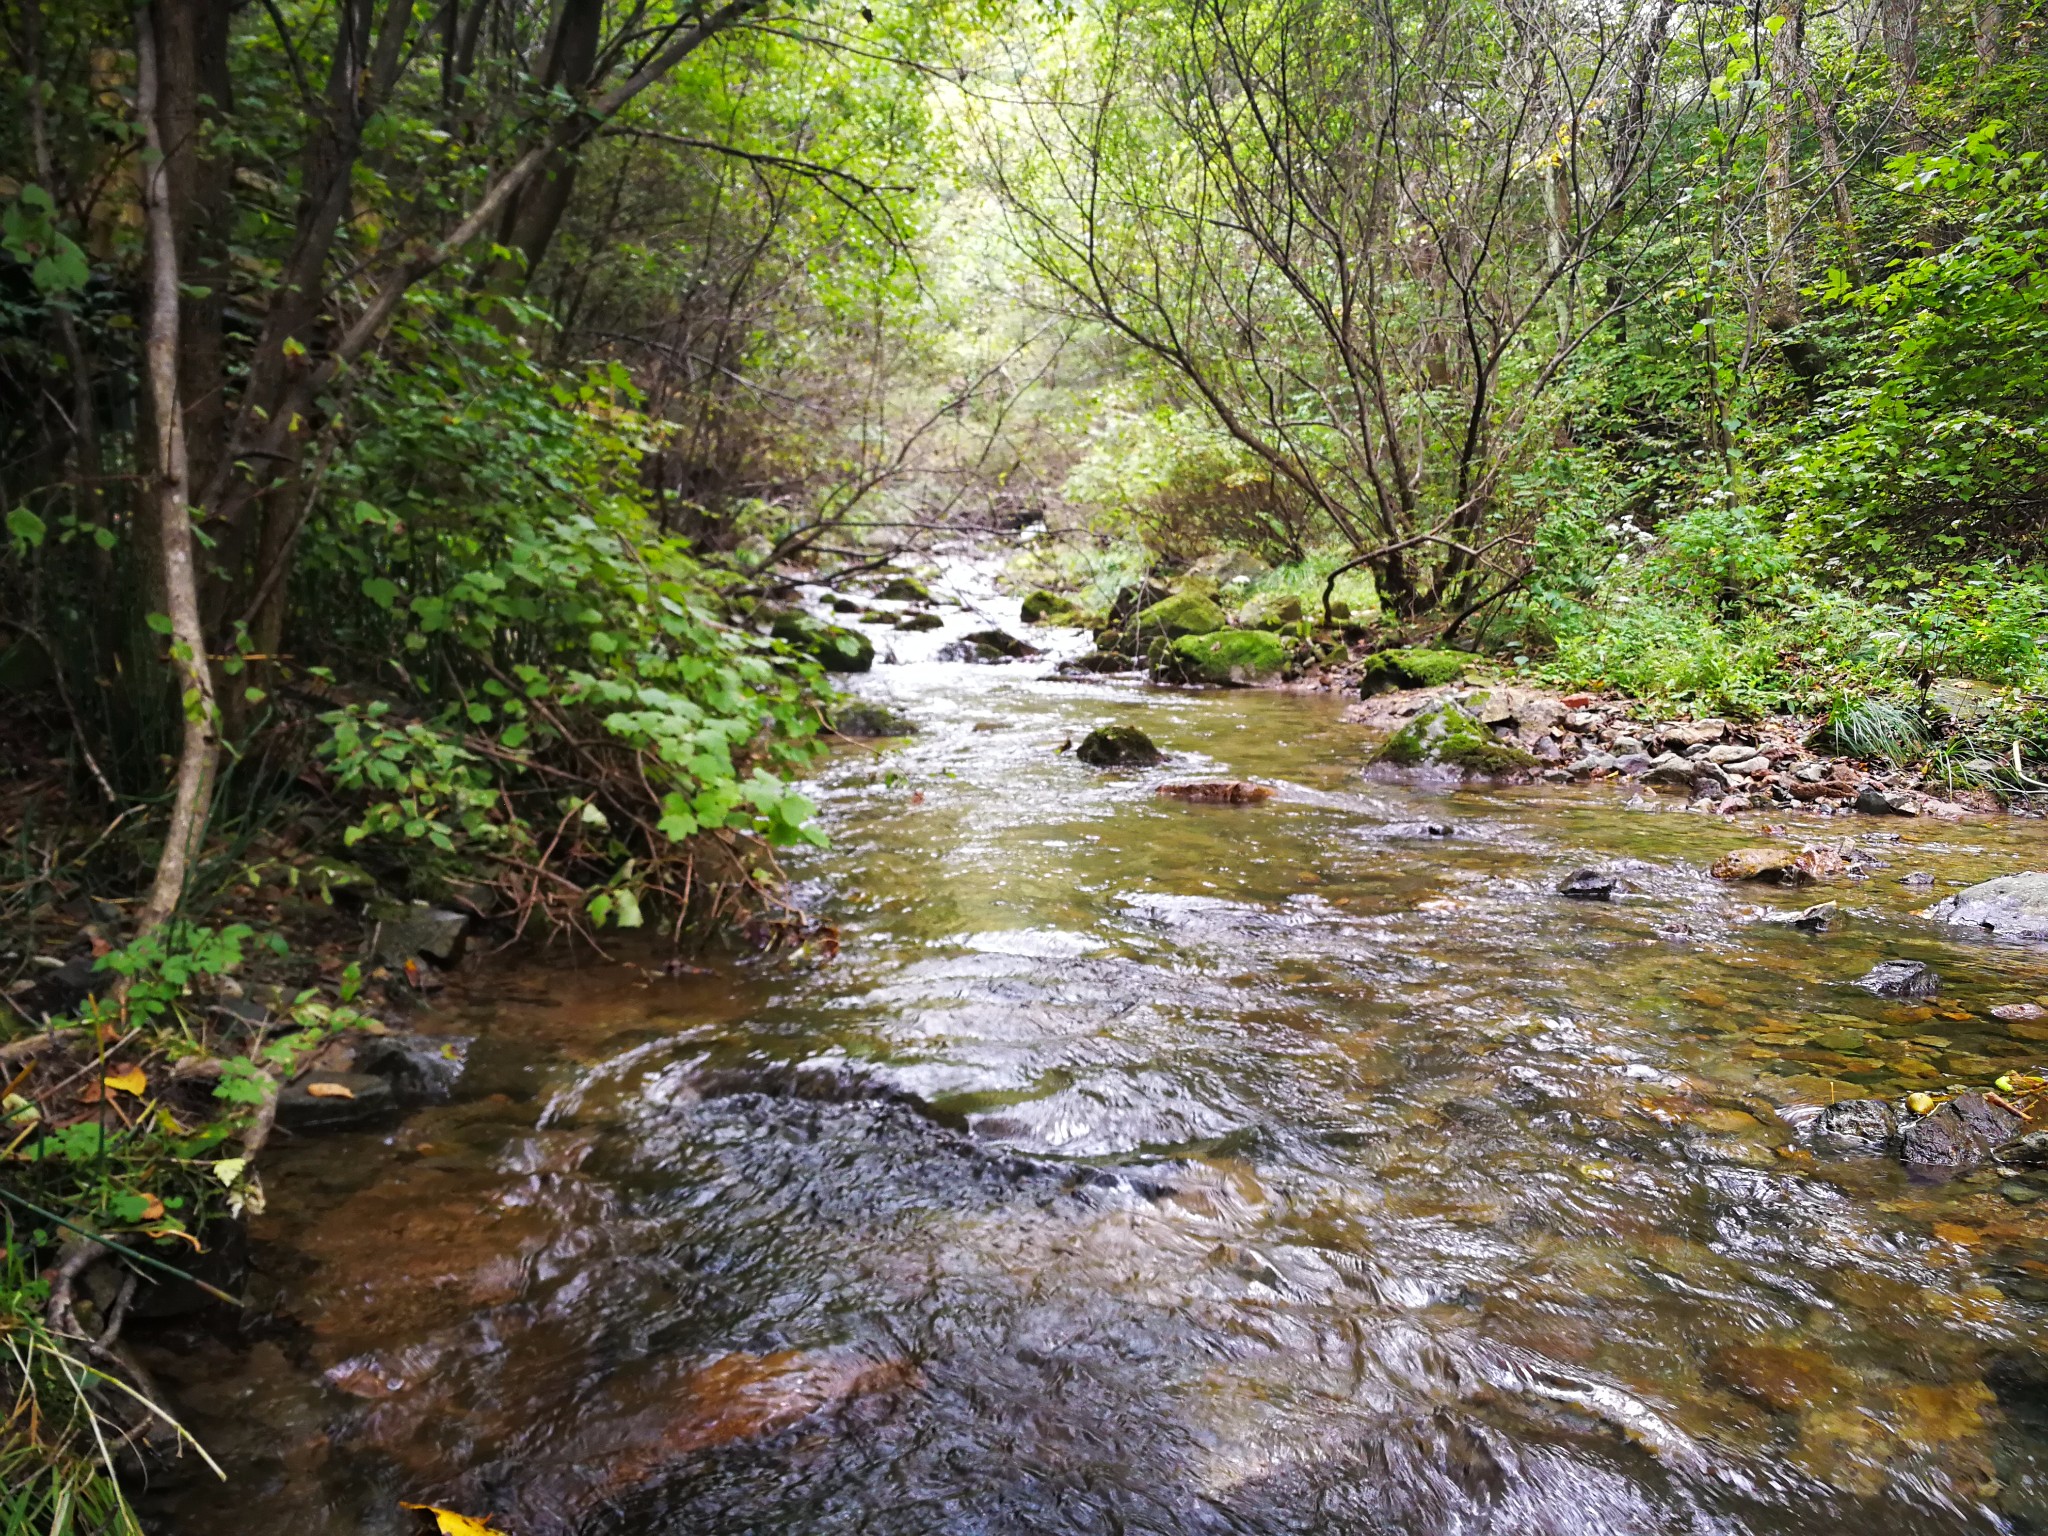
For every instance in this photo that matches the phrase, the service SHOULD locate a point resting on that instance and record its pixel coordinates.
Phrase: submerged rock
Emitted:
(1589, 885)
(1411, 667)
(1785, 1378)
(1866, 1126)
(1231, 657)
(866, 719)
(1959, 1134)
(1900, 978)
(1446, 735)
(1117, 746)
(2029, 1151)
(1218, 792)
(2011, 907)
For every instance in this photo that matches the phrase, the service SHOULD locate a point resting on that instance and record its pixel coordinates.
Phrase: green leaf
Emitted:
(160, 622)
(25, 526)
(380, 591)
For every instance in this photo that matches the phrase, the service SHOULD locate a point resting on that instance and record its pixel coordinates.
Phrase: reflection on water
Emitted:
(1147, 1166)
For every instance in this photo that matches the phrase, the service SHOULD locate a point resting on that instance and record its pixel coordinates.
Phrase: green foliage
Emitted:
(1874, 729)
(1413, 667)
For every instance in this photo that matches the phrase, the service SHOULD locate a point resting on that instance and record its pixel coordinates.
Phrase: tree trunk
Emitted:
(1899, 21)
(199, 754)
(1990, 36)
(535, 214)
(1781, 303)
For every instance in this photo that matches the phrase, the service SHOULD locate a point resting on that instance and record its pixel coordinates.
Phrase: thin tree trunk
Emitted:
(1781, 307)
(1990, 36)
(171, 491)
(1899, 22)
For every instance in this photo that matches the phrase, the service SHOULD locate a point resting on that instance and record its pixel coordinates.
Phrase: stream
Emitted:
(1145, 1166)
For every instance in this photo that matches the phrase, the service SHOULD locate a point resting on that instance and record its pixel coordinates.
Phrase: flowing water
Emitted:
(1140, 1166)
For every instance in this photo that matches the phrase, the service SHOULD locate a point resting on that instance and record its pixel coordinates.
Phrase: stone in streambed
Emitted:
(1185, 613)
(1959, 1134)
(1043, 607)
(1231, 657)
(1900, 978)
(866, 720)
(1446, 735)
(334, 1101)
(904, 589)
(1865, 1126)
(2029, 1151)
(1218, 792)
(1872, 800)
(1785, 1378)
(405, 931)
(1411, 667)
(986, 645)
(1589, 885)
(1117, 746)
(920, 621)
(2009, 907)
(834, 647)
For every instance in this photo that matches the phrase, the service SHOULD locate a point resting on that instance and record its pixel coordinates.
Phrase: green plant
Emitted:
(1875, 729)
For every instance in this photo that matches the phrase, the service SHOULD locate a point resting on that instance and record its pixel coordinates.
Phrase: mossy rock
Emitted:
(1412, 667)
(1185, 613)
(920, 621)
(1229, 657)
(1044, 607)
(1117, 746)
(1447, 736)
(836, 649)
(1270, 610)
(864, 718)
(904, 589)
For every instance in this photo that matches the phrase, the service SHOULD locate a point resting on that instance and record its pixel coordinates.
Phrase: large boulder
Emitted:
(1185, 613)
(834, 647)
(1238, 657)
(1445, 735)
(2011, 907)
(1117, 746)
(1411, 667)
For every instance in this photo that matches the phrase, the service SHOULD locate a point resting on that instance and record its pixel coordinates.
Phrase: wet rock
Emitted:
(867, 720)
(333, 1101)
(1817, 918)
(1231, 657)
(1218, 792)
(1445, 735)
(1778, 866)
(1592, 763)
(1872, 800)
(1096, 663)
(1130, 601)
(1785, 1378)
(2011, 907)
(405, 932)
(2028, 1151)
(832, 646)
(744, 1397)
(904, 589)
(1959, 1134)
(1864, 1126)
(1420, 829)
(1589, 885)
(1409, 667)
(1900, 978)
(1042, 607)
(1117, 746)
(920, 621)
(1728, 752)
(1919, 879)
(1187, 613)
(984, 646)
(2020, 1012)
(421, 1069)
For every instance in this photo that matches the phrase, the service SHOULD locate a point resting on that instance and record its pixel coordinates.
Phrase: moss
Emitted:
(862, 717)
(1270, 610)
(1447, 736)
(1238, 656)
(920, 621)
(1049, 608)
(904, 589)
(1185, 613)
(1117, 746)
(1387, 671)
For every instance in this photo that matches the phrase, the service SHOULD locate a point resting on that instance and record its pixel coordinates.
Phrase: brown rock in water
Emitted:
(1785, 1378)
(1779, 866)
(743, 1397)
(1219, 792)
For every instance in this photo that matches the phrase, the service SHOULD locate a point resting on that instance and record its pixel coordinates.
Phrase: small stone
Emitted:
(1919, 879)
(1873, 801)
(404, 932)
(1900, 978)
(1856, 1125)
(1809, 773)
(2019, 1011)
(1849, 1040)
(1621, 746)
(2018, 1193)
(1420, 829)
(1748, 767)
(1589, 885)
(1117, 746)
(1817, 918)
(1729, 752)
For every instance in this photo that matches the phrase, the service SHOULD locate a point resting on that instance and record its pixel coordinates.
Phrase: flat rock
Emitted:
(1874, 801)
(1959, 1134)
(404, 932)
(1589, 885)
(334, 1101)
(1218, 792)
(1900, 978)
(2011, 907)
(1777, 866)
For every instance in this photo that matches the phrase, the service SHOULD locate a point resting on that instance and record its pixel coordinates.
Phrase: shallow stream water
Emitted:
(1143, 1166)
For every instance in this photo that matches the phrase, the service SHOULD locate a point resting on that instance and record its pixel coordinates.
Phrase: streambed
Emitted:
(1145, 1166)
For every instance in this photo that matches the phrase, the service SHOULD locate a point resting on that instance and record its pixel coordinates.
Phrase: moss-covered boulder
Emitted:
(1238, 657)
(1412, 667)
(904, 589)
(920, 621)
(1269, 610)
(1185, 613)
(1447, 736)
(864, 718)
(1117, 746)
(836, 649)
(1043, 607)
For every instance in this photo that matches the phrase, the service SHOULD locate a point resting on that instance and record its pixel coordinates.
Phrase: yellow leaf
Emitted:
(154, 1210)
(131, 1081)
(452, 1524)
(330, 1090)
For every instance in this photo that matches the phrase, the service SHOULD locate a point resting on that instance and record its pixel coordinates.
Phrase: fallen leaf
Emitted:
(131, 1081)
(152, 1208)
(330, 1090)
(452, 1524)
